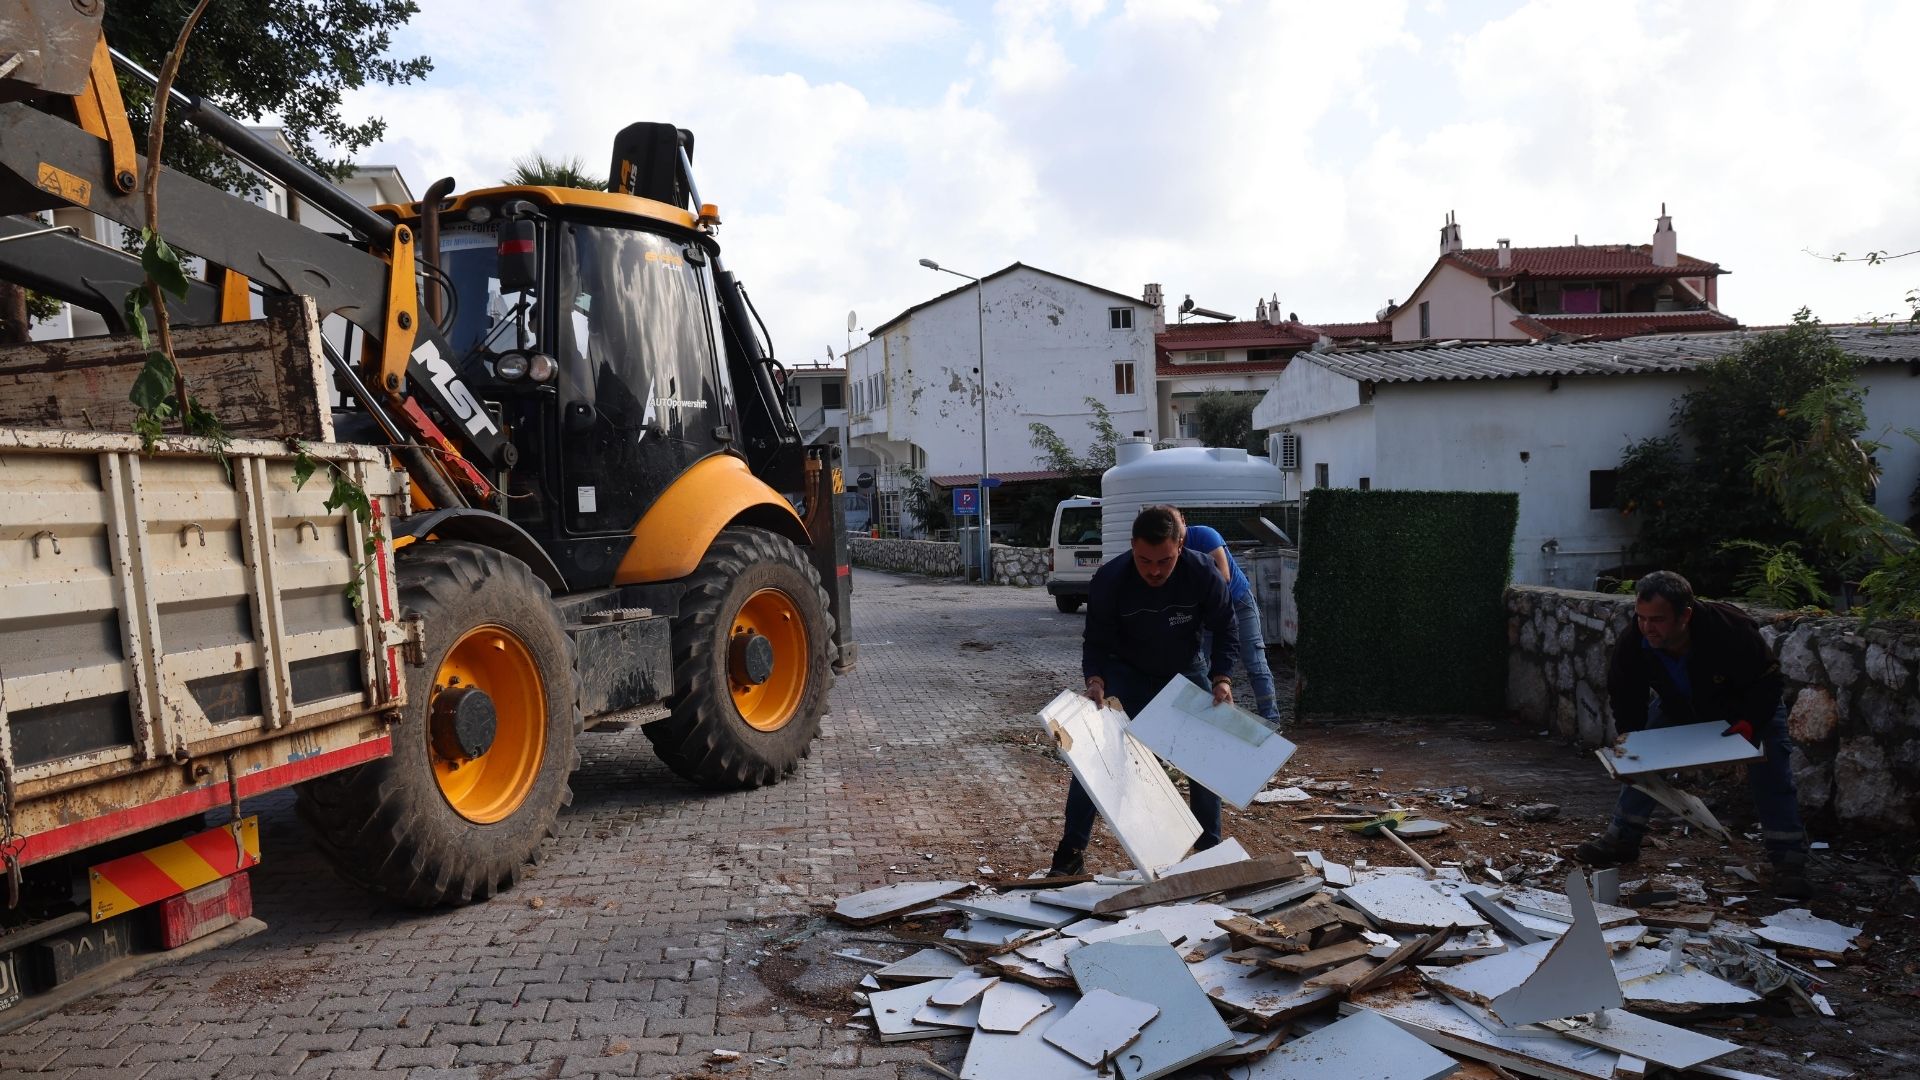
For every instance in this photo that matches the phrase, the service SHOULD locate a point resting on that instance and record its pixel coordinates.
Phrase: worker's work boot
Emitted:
(1067, 862)
(1789, 880)
(1611, 849)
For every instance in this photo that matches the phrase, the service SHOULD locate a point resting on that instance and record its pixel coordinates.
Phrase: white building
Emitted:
(1546, 421)
(1239, 357)
(1051, 343)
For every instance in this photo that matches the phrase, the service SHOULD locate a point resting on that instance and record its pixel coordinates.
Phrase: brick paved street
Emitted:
(647, 937)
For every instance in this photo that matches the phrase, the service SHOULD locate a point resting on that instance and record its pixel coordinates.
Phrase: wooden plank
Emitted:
(1307, 963)
(262, 379)
(1343, 978)
(1239, 875)
(1412, 952)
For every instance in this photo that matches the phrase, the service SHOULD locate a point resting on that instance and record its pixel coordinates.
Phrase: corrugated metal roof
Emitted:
(1654, 353)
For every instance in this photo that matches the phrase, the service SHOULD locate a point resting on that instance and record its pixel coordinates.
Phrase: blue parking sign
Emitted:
(966, 502)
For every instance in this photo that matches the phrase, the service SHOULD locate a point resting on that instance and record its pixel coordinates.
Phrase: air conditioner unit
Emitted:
(1283, 448)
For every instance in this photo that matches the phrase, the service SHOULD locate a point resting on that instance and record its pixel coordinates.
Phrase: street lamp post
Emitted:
(980, 327)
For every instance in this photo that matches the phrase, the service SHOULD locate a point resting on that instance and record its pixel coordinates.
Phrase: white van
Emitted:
(1076, 551)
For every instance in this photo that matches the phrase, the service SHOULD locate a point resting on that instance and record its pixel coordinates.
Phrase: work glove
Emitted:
(1742, 729)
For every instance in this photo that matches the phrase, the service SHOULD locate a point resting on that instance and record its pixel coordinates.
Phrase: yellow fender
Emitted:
(677, 530)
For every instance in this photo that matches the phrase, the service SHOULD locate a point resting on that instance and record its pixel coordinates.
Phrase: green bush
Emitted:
(1400, 600)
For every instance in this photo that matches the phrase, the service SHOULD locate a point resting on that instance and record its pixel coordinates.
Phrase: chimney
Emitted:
(1273, 310)
(1666, 246)
(1153, 298)
(1450, 236)
(1505, 260)
(1260, 311)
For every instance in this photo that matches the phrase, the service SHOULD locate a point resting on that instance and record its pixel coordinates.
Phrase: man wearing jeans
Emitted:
(1691, 661)
(1207, 541)
(1145, 612)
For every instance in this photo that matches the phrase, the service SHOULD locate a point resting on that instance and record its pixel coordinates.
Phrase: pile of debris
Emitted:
(1295, 966)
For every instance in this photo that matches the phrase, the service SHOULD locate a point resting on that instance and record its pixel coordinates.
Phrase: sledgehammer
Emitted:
(1384, 825)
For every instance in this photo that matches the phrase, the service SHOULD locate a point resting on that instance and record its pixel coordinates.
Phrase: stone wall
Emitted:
(933, 558)
(1853, 704)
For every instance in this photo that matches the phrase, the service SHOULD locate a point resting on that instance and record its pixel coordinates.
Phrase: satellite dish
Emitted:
(853, 322)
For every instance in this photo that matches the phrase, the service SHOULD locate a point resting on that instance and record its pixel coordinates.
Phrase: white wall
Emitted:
(1460, 305)
(1048, 349)
(1345, 442)
(1893, 406)
(1302, 392)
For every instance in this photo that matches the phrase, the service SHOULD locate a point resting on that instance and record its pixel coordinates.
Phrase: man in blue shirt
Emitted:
(1207, 541)
(1145, 612)
(1693, 661)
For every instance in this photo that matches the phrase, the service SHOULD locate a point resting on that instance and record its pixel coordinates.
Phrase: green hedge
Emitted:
(1400, 601)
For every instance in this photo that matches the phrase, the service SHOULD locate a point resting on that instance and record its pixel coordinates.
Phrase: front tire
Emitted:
(483, 750)
(1067, 604)
(746, 711)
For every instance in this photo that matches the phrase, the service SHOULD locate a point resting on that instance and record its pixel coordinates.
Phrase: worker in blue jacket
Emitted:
(1207, 541)
(1145, 612)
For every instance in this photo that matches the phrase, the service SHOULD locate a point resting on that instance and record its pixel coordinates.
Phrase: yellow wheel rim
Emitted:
(771, 705)
(490, 787)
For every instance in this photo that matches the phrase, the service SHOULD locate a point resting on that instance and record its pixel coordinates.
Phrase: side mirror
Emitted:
(519, 259)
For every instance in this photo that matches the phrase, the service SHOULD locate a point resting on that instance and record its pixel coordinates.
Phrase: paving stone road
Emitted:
(654, 899)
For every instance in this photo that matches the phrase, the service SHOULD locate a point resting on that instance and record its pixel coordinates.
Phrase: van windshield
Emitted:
(1079, 525)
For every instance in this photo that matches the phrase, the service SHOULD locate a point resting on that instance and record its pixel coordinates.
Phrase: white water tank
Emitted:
(1189, 477)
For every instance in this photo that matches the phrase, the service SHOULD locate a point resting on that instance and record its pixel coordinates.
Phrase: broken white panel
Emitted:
(1556, 906)
(994, 1055)
(1646, 983)
(1100, 1024)
(1086, 895)
(882, 903)
(1226, 851)
(1182, 925)
(1421, 829)
(1017, 966)
(1009, 1007)
(1663, 1044)
(961, 989)
(1487, 978)
(1800, 929)
(1339, 875)
(1493, 1023)
(1442, 1026)
(1125, 781)
(1408, 903)
(1017, 908)
(1248, 1044)
(1501, 915)
(922, 966)
(965, 1017)
(1263, 993)
(1576, 975)
(1668, 749)
(1188, 1027)
(894, 1010)
(1282, 794)
(993, 932)
(1230, 751)
(1686, 804)
(1273, 896)
(1618, 938)
(1470, 946)
(1363, 1046)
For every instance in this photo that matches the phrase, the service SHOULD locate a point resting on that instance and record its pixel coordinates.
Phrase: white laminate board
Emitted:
(1260, 992)
(1364, 1046)
(1008, 1007)
(1262, 900)
(1226, 851)
(1440, 1025)
(1026, 1054)
(1125, 781)
(1187, 1029)
(1408, 903)
(1574, 977)
(1018, 907)
(894, 899)
(894, 1010)
(1651, 1040)
(1487, 978)
(962, 988)
(1798, 928)
(922, 966)
(1687, 746)
(1084, 896)
(1230, 751)
(1100, 1024)
(1556, 906)
(979, 931)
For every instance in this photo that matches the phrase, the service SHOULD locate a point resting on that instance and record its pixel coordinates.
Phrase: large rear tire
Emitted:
(486, 742)
(751, 664)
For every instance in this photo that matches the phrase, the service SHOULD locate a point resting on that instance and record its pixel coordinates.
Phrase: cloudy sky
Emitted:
(1228, 150)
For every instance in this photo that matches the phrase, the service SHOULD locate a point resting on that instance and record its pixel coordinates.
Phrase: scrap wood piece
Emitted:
(1307, 963)
(1009, 1007)
(1663, 1044)
(1187, 1029)
(1230, 751)
(1244, 932)
(1411, 952)
(1124, 780)
(1362, 1046)
(1576, 976)
(879, 905)
(1304, 918)
(1100, 1025)
(1341, 979)
(1238, 875)
(1679, 920)
(1407, 903)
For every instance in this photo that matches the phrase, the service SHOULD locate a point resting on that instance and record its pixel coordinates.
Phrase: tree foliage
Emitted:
(291, 60)
(926, 503)
(1694, 490)
(1080, 474)
(539, 170)
(1225, 418)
